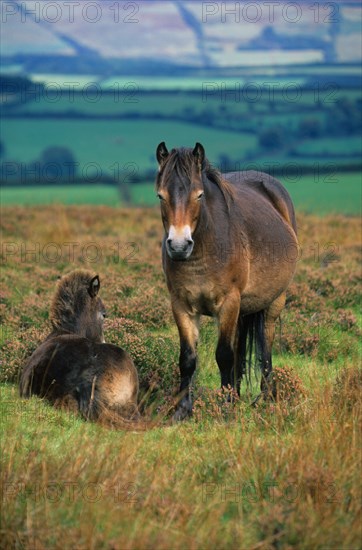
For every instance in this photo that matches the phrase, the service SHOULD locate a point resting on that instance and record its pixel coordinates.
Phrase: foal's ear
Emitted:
(199, 154)
(161, 152)
(94, 287)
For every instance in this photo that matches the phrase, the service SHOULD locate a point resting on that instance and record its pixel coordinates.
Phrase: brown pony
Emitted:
(229, 251)
(73, 368)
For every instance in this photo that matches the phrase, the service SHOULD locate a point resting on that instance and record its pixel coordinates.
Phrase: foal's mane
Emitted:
(70, 299)
(180, 162)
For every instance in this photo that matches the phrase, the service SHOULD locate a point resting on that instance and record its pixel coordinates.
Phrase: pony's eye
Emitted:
(160, 197)
(200, 195)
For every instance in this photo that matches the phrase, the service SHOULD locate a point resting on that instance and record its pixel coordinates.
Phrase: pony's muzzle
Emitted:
(179, 250)
(179, 244)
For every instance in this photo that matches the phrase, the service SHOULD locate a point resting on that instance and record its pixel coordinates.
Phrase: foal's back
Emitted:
(73, 367)
(68, 369)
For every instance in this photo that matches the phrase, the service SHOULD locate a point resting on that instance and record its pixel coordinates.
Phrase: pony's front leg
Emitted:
(226, 356)
(188, 327)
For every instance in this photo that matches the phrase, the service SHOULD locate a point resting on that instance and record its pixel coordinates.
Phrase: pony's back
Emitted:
(271, 188)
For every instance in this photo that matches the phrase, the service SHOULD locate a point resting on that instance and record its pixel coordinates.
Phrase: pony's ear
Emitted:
(199, 154)
(94, 287)
(161, 152)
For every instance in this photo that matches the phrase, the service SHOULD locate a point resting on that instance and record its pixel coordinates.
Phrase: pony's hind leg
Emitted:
(271, 315)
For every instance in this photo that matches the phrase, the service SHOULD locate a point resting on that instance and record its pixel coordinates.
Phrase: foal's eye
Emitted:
(160, 197)
(200, 195)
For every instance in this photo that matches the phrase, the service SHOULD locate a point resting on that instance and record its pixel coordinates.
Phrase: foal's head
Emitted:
(76, 307)
(180, 190)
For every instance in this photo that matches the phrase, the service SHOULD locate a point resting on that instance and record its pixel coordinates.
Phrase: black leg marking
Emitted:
(187, 368)
(225, 361)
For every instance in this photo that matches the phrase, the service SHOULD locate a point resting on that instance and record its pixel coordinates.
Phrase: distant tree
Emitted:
(224, 162)
(271, 138)
(125, 192)
(12, 84)
(188, 113)
(58, 164)
(344, 117)
(15, 90)
(309, 128)
(272, 105)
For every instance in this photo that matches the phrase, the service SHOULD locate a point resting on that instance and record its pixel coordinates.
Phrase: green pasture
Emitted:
(228, 123)
(331, 193)
(103, 146)
(108, 142)
(350, 145)
(130, 96)
(317, 193)
(141, 194)
(127, 146)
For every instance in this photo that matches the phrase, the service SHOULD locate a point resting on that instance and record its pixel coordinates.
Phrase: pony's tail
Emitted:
(252, 342)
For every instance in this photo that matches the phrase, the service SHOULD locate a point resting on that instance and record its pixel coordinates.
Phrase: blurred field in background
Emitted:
(311, 143)
(330, 193)
(109, 136)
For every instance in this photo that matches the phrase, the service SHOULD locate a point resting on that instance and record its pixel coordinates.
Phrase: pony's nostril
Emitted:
(169, 242)
(188, 244)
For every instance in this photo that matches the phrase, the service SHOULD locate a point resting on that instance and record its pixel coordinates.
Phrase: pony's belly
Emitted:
(250, 303)
(264, 286)
(200, 295)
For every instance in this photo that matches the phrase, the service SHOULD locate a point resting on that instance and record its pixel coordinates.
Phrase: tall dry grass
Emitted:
(278, 476)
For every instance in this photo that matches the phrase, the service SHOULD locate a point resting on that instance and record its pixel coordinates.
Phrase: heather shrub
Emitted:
(16, 349)
(149, 305)
(302, 298)
(215, 404)
(346, 319)
(287, 385)
(316, 336)
(322, 287)
(155, 356)
(348, 291)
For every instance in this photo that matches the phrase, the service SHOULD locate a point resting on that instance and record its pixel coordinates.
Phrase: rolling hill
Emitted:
(174, 36)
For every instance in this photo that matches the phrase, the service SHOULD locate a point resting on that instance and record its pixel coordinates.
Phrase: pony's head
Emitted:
(76, 306)
(181, 192)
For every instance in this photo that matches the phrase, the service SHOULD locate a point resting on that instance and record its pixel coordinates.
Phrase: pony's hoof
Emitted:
(183, 411)
(258, 398)
(266, 394)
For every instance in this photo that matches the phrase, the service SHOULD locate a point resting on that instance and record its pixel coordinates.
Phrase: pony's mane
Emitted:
(69, 300)
(180, 162)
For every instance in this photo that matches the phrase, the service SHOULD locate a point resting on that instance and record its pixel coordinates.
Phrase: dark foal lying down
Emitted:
(74, 368)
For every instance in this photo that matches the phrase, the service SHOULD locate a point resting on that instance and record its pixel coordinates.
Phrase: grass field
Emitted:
(141, 194)
(351, 144)
(283, 475)
(318, 193)
(112, 141)
(129, 95)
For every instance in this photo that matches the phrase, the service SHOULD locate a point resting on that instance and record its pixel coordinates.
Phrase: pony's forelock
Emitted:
(179, 164)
